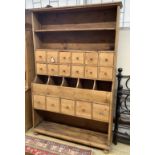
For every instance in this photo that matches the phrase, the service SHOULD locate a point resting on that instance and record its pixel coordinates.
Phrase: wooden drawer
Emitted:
(106, 59)
(52, 57)
(78, 71)
(83, 109)
(101, 112)
(40, 56)
(39, 89)
(41, 69)
(90, 72)
(65, 57)
(53, 104)
(105, 73)
(39, 102)
(77, 58)
(53, 90)
(91, 58)
(52, 69)
(64, 70)
(67, 106)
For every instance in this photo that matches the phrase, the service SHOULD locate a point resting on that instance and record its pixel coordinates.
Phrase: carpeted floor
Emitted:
(75, 149)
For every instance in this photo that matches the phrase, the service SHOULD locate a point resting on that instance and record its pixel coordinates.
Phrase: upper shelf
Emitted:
(77, 27)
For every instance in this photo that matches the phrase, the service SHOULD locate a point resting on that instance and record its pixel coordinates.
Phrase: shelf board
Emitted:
(78, 27)
(86, 137)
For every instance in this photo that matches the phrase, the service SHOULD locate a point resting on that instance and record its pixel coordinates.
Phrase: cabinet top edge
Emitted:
(78, 7)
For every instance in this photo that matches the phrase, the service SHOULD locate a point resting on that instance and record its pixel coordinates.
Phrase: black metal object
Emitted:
(122, 115)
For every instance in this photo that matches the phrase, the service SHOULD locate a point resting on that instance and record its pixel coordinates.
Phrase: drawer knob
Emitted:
(105, 73)
(64, 57)
(52, 69)
(106, 59)
(91, 72)
(77, 58)
(40, 56)
(52, 60)
(77, 72)
(52, 105)
(64, 71)
(67, 107)
(38, 102)
(41, 68)
(91, 59)
(83, 110)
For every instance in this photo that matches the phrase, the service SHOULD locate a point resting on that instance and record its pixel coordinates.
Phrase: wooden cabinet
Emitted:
(75, 59)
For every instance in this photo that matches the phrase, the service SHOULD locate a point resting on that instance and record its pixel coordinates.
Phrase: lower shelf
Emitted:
(86, 137)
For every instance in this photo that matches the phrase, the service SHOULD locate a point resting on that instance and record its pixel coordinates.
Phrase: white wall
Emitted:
(123, 56)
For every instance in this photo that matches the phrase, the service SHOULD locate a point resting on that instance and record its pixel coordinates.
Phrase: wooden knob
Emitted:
(77, 58)
(106, 59)
(64, 57)
(52, 69)
(91, 59)
(41, 68)
(77, 71)
(52, 105)
(64, 71)
(91, 72)
(67, 107)
(83, 110)
(40, 56)
(105, 73)
(38, 102)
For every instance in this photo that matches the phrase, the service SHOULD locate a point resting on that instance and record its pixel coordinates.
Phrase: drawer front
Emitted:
(91, 58)
(90, 72)
(101, 112)
(78, 71)
(53, 70)
(67, 106)
(53, 104)
(106, 59)
(39, 102)
(78, 58)
(40, 56)
(83, 109)
(105, 73)
(52, 57)
(65, 57)
(64, 70)
(53, 90)
(39, 89)
(41, 69)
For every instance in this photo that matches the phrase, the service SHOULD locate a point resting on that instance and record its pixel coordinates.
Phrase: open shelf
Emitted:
(86, 137)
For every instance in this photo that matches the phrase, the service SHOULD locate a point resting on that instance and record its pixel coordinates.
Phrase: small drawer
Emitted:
(101, 112)
(77, 58)
(40, 56)
(91, 58)
(52, 57)
(41, 69)
(53, 104)
(105, 73)
(39, 102)
(67, 106)
(65, 57)
(78, 71)
(83, 109)
(53, 70)
(90, 72)
(64, 70)
(106, 59)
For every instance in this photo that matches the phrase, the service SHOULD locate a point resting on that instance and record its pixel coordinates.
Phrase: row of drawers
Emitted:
(70, 107)
(78, 58)
(102, 73)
